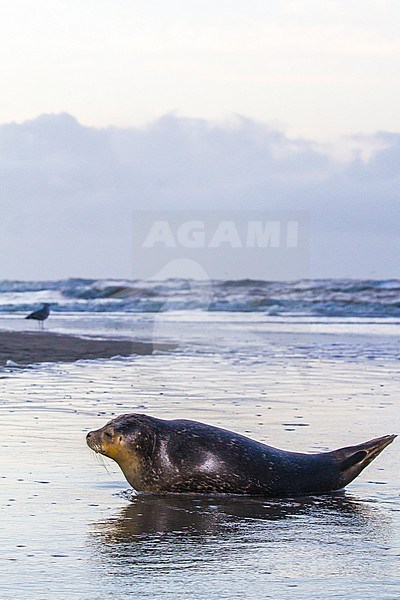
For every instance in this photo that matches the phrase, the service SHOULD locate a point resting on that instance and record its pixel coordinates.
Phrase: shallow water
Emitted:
(70, 528)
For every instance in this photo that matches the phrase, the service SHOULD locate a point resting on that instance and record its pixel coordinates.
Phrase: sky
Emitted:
(110, 107)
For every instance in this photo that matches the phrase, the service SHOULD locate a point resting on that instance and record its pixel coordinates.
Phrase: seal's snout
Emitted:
(92, 441)
(106, 440)
(90, 436)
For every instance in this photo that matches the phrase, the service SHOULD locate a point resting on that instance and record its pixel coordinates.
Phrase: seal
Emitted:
(182, 456)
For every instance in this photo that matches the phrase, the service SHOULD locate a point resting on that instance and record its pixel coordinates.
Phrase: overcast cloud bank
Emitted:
(68, 192)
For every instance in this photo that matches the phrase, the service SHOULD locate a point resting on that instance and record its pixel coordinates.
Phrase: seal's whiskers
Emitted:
(101, 460)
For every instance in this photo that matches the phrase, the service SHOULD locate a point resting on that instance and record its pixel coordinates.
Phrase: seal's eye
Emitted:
(108, 435)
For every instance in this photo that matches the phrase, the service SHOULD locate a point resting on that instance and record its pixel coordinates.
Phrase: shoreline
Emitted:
(26, 347)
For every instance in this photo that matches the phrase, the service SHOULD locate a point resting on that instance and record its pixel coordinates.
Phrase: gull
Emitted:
(40, 315)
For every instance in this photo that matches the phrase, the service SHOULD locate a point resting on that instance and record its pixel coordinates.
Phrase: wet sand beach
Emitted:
(25, 347)
(73, 528)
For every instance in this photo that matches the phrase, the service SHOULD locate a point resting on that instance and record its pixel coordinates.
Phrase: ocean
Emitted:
(316, 298)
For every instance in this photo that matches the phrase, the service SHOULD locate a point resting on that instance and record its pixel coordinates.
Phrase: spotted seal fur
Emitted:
(182, 456)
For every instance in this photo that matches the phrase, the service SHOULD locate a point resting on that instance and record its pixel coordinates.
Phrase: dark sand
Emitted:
(25, 348)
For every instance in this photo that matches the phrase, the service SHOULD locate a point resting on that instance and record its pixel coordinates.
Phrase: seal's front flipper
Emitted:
(353, 459)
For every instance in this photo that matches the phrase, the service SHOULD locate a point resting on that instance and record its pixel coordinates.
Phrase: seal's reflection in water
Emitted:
(150, 514)
(156, 534)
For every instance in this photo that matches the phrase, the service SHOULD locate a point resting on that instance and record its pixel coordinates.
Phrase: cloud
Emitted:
(68, 191)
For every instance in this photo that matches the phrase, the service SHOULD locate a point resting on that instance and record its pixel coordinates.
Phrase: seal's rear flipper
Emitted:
(353, 459)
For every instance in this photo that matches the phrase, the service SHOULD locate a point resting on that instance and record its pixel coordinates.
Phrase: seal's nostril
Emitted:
(88, 435)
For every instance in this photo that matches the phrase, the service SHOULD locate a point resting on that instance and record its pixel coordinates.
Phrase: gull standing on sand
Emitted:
(40, 315)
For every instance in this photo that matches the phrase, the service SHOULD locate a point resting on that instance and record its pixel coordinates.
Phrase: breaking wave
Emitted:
(329, 298)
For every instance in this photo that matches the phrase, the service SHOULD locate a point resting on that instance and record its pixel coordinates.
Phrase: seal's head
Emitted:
(129, 440)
